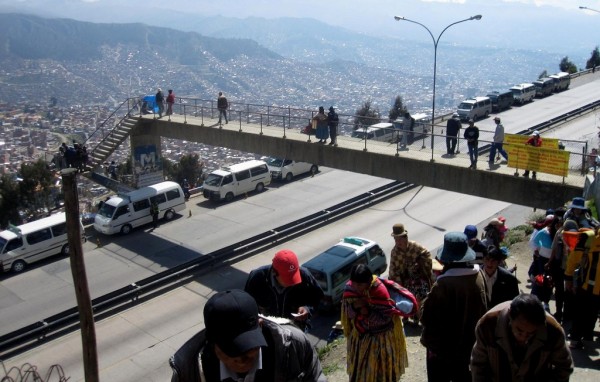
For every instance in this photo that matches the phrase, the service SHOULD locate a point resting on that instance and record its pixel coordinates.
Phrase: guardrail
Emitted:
(33, 335)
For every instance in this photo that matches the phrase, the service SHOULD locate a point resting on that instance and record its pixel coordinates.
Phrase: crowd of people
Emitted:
(475, 322)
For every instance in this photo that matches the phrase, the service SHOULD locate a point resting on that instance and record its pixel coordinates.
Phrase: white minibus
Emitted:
(475, 108)
(34, 241)
(383, 132)
(562, 80)
(523, 93)
(123, 212)
(231, 181)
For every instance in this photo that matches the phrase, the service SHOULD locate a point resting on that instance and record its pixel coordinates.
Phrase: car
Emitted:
(287, 169)
(332, 267)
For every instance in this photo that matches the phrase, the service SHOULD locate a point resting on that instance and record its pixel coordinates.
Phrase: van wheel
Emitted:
(314, 169)
(487, 114)
(65, 250)
(260, 187)
(126, 229)
(229, 197)
(289, 176)
(18, 266)
(169, 215)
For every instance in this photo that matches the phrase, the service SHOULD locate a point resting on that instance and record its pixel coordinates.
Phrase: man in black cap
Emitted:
(451, 310)
(237, 345)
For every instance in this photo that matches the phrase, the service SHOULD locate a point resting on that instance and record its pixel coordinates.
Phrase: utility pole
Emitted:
(82, 292)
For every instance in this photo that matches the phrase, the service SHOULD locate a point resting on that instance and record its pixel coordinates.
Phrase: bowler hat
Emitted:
(456, 249)
(398, 230)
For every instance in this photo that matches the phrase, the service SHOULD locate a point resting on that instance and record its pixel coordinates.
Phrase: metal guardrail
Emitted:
(33, 335)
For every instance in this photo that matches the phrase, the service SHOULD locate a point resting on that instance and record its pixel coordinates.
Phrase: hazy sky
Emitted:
(558, 24)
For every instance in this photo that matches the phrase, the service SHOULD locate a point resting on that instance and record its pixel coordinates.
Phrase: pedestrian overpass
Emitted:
(424, 163)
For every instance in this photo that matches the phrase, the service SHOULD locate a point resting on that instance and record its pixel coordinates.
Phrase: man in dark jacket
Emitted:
(501, 285)
(332, 121)
(453, 126)
(222, 106)
(471, 134)
(160, 102)
(283, 289)
(237, 345)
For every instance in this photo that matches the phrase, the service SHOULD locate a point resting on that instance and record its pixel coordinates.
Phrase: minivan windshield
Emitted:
(465, 106)
(107, 210)
(2, 244)
(213, 180)
(275, 162)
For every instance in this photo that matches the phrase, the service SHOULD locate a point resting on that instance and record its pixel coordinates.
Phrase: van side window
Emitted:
(375, 251)
(141, 205)
(59, 229)
(39, 236)
(242, 175)
(227, 179)
(160, 198)
(173, 194)
(343, 274)
(13, 244)
(263, 169)
(287, 162)
(121, 211)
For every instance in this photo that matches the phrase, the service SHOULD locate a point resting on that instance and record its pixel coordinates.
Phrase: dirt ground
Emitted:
(587, 361)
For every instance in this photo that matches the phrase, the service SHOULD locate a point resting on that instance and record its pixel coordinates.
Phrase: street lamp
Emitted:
(589, 9)
(435, 46)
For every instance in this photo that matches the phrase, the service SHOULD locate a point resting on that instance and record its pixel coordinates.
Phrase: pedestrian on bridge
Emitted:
(222, 105)
(333, 121)
(453, 126)
(497, 143)
(170, 102)
(471, 134)
(160, 102)
(536, 141)
(320, 120)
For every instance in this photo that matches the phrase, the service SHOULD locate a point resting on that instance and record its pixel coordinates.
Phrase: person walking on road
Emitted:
(154, 212)
(497, 143)
(453, 127)
(222, 105)
(471, 134)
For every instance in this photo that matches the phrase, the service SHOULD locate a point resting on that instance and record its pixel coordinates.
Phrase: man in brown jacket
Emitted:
(518, 341)
(451, 310)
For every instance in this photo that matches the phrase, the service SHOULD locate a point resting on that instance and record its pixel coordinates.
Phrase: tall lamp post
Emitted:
(435, 46)
(589, 9)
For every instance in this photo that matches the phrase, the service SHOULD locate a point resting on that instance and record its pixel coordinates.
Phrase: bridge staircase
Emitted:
(113, 139)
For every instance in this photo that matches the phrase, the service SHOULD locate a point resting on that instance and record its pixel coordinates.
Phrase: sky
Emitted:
(536, 23)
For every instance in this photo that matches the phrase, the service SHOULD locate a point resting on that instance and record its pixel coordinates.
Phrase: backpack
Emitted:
(406, 302)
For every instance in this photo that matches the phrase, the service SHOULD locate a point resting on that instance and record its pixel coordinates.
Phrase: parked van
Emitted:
(501, 100)
(562, 81)
(332, 268)
(231, 181)
(523, 93)
(34, 241)
(544, 87)
(383, 132)
(475, 108)
(420, 128)
(287, 169)
(123, 212)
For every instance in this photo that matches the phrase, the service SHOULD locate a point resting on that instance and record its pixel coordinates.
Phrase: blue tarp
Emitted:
(149, 103)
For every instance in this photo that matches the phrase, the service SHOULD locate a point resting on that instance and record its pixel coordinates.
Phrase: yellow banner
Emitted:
(517, 139)
(540, 159)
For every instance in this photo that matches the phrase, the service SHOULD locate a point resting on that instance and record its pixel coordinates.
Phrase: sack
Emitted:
(406, 302)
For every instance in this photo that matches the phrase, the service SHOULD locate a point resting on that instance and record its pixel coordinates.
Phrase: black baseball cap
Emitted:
(231, 321)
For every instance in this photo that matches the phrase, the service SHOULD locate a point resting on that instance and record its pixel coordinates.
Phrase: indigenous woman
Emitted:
(376, 345)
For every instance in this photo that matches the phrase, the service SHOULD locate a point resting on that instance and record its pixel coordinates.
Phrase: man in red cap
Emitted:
(284, 289)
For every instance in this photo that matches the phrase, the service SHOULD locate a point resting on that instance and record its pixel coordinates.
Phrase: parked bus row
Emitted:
(497, 101)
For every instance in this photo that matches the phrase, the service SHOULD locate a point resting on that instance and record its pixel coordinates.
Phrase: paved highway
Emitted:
(135, 344)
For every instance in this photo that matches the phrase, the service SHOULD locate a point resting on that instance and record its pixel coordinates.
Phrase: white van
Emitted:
(523, 93)
(544, 87)
(475, 108)
(287, 169)
(34, 241)
(562, 80)
(420, 128)
(231, 181)
(123, 212)
(383, 132)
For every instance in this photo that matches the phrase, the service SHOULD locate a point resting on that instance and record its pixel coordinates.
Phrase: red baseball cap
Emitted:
(285, 263)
